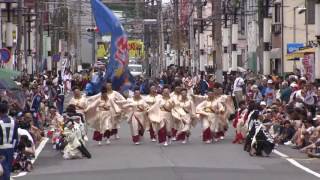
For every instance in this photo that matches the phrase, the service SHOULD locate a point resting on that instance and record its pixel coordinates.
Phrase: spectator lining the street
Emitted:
(238, 89)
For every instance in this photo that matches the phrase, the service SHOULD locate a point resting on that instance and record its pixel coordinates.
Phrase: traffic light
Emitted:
(93, 29)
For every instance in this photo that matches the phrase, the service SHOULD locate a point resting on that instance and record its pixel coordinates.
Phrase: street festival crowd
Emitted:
(264, 111)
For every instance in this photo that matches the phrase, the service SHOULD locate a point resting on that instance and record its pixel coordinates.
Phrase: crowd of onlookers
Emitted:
(289, 108)
(40, 113)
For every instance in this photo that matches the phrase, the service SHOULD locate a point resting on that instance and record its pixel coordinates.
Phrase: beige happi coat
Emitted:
(197, 99)
(160, 114)
(210, 114)
(151, 100)
(183, 113)
(100, 114)
(137, 114)
(228, 104)
(175, 98)
(119, 114)
(118, 100)
(80, 103)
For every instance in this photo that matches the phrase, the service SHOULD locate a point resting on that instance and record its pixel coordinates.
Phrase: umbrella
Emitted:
(17, 97)
(8, 74)
(13, 93)
(8, 84)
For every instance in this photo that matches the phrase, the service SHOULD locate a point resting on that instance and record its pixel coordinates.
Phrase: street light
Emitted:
(300, 11)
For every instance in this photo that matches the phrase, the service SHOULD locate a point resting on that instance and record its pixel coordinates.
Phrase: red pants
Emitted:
(207, 135)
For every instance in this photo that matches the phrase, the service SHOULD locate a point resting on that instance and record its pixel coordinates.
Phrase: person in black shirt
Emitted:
(60, 96)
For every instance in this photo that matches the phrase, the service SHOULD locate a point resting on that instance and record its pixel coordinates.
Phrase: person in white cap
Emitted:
(238, 88)
(294, 86)
(303, 79)
(257, 96)
(285, 92)
(263, 106)
(269, 93)
(298, 95)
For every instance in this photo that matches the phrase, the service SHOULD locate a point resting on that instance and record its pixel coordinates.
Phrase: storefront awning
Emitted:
(299, 54)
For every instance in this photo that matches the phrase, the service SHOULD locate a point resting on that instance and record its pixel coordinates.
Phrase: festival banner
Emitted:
(308, 67)
(117, 68)
(184, 12)
(136, 49)
(102, 50)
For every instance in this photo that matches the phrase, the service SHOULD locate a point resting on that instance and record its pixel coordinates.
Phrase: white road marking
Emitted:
(297, 164)
(37, 153)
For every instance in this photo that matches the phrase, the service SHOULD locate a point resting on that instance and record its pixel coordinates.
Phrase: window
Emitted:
(311, 11)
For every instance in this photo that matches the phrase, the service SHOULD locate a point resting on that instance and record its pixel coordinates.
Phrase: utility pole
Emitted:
(19, 37)
(282, 37)
(217, 41)
(177, 29)
(306, 21)
(40, 15)
(79, 58)
(234, 40)
(29, 56)
(161, 53)
(317, 32)
(266, 39)
(159, 60)
(225, 40)
(9, 38)
(199, 16)
(37, 37)
(93, 41)
(49, 41)
(191, 38)
(1, 29)
(25, 42)
(137, 9)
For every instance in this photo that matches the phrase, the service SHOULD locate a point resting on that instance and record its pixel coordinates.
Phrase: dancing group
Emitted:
(167, 117)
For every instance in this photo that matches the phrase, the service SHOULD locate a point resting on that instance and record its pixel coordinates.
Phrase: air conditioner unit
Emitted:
(202, 52)
(276, 28)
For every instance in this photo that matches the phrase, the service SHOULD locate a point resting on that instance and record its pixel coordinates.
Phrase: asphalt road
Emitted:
(124, 161)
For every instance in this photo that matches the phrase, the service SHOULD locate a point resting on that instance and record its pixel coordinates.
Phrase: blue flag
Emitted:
(117, 69)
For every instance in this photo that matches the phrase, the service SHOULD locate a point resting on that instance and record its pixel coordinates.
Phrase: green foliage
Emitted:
(235, 3)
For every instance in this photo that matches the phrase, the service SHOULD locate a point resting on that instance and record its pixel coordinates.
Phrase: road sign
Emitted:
(5, 55)
(292, 47)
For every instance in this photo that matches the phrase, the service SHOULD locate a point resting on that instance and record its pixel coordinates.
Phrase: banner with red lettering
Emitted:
(308, 67)
(184, 13)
